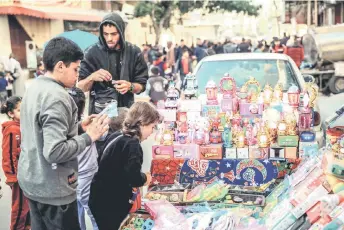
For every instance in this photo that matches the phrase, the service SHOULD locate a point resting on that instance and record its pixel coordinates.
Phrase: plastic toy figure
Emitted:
(215, 136)
(172, 99)
(201, 136)
(182, 123)
(227, 137)
(190, 83)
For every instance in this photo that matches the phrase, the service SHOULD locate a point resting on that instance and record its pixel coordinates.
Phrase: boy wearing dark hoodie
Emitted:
(112, 69)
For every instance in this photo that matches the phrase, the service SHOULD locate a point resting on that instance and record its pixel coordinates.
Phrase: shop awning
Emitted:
(59, 12)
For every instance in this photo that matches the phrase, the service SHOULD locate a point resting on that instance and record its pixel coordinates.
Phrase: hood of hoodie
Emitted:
(116, 20)
(8, 124)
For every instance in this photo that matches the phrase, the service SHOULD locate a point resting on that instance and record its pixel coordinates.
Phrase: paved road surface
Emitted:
(327, 106)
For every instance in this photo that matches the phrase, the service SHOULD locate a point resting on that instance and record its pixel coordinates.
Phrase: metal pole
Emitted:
(309, 13)
(316, 12)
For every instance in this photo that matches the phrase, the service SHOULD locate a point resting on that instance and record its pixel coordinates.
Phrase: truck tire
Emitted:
(336, 84)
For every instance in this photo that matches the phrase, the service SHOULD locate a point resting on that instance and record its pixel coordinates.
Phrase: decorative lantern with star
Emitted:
(294, 96)
(227, 86)
(211, 90)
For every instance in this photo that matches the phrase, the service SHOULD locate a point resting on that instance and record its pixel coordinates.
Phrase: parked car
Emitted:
(269, 68)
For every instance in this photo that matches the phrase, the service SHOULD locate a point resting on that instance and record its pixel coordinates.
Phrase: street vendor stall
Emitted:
(225, 163)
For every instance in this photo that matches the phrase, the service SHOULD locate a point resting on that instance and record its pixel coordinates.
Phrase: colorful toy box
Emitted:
(251, 109)
(211, 152)
(162, 152)
(186, 151)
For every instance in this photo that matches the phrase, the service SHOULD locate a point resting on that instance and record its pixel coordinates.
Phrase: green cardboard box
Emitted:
(288, 141)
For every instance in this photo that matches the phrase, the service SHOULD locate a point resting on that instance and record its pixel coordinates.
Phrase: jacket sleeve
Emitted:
(57, 147)
(87, 65)
(133, 173)
(141, 71)
(10, 155)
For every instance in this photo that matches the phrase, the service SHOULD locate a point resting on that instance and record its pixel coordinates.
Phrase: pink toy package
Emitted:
(162, 152)
(251, 109)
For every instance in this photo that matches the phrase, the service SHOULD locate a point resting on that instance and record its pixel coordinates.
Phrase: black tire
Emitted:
(333, 84)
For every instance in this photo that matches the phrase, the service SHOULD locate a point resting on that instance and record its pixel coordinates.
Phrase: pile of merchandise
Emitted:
(245, 123)
(302, 200)
(251, 129)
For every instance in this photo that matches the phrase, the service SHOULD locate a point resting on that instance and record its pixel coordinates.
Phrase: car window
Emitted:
(264, 71)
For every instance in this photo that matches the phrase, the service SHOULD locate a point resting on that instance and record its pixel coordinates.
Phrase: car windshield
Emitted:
(264, 71)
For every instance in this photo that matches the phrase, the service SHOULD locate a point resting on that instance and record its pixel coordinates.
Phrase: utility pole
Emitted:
(309, 14)
(316, 12)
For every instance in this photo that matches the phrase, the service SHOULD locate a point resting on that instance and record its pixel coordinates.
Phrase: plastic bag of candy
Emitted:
(166, 216)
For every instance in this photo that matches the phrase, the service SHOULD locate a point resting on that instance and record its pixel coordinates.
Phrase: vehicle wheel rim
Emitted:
(340, 84)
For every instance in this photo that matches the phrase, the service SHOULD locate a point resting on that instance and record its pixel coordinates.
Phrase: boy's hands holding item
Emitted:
(149, 179)
(98, 126)
(87, 121)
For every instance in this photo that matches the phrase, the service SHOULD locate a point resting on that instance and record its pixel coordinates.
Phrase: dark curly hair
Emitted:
(79, 98)
(10, 105)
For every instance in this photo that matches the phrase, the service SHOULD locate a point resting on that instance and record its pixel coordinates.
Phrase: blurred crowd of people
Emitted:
(165, 63)
(180, 58)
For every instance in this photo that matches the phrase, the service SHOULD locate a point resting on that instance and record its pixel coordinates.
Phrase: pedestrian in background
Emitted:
(160, 64)
(11, 140)
(295, 50)
(3, 88)
(200, 50)
(170, 56)
(15, 71)
(40, 69)
(156, 86)
(278, 47)
(185, 67)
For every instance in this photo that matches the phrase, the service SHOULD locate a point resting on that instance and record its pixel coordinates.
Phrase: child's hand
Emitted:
(149, 179)
(87, 121)
(98, 127)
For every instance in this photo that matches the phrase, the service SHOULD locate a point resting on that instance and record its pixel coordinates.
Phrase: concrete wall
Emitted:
(5, 40)
(56, 27)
